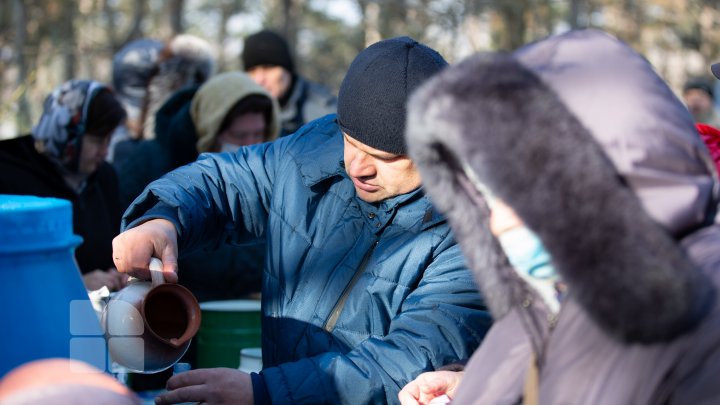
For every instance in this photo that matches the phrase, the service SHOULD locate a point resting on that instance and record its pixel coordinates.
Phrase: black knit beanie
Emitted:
(373, 95)
(267, 48)
(700, 83)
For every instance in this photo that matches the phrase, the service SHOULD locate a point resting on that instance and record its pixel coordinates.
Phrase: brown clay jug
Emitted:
(149, 325)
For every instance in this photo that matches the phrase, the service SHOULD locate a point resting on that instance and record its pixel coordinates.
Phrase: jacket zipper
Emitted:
(340, 304)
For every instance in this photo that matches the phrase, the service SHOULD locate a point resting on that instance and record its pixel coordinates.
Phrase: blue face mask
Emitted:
(526, 252)
(528, 256)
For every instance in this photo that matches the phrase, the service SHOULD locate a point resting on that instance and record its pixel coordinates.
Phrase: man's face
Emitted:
(275, 79)
(247, 129)
(378, 175)
(698, 103)
(93, 152)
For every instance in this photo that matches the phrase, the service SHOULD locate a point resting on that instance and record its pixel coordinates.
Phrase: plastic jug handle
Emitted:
(156, 271)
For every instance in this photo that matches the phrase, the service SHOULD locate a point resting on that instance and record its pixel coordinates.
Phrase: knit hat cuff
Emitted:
(376, 138)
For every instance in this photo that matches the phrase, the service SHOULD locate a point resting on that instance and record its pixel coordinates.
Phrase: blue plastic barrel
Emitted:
(44, 307)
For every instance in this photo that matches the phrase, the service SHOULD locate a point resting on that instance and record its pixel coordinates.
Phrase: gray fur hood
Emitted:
(595, 153)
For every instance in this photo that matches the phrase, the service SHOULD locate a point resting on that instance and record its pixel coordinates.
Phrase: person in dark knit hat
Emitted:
(363, 285)
(699, 97)
(267, 58)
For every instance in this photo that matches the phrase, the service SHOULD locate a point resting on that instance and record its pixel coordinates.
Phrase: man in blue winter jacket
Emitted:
(364, 285)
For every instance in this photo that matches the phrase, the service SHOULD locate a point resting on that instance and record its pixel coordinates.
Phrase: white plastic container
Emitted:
(251, 360)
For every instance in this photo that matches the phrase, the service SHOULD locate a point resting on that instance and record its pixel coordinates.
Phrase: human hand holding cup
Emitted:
(149, 325)
(133, 249)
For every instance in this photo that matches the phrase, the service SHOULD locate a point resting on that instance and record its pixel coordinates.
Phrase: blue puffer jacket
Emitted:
(358, 299)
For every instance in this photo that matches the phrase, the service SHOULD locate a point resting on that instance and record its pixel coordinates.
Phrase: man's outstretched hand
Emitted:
(212, 386)
(133, 249)
(428, 386)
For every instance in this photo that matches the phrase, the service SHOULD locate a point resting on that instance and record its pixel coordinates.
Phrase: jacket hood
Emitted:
(217, 97)
(132, 68)
(595, 154)
(186, 60)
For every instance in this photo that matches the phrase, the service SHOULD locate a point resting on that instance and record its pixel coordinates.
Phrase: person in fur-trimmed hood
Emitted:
(616, 200)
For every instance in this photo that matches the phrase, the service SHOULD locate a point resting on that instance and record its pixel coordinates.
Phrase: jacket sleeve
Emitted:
(221, 197)
(442, 321)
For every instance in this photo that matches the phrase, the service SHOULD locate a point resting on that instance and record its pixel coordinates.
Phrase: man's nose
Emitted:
(259, 77)
(361, 166)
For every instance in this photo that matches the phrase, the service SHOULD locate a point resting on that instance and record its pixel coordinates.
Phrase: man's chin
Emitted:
(369, 196)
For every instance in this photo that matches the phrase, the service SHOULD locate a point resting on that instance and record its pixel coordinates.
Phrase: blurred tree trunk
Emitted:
(393, 19)
(573, 19)
(6, 14)
(67, 36)
(512, 15)
(286, 17)
(23, 120)
(634, 14)
(6, 27)
(226, 10)
(137, 18)
(544, 18)
(110, 16)
(371, 21)
(176, 8)
(291, 12)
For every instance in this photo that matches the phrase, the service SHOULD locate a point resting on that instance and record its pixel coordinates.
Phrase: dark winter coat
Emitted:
(96, 210)
(358, 299)
(597, 156)
(139, 162)
(306, 102)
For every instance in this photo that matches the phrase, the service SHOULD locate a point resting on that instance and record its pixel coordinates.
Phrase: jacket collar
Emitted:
(321, 156)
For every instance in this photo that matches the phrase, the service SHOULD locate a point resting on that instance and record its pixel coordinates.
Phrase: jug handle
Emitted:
(156, 271)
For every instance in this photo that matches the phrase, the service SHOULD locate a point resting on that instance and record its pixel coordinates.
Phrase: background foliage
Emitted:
(44, 42)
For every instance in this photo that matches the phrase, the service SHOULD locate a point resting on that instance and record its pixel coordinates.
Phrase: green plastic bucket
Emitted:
(227, 327)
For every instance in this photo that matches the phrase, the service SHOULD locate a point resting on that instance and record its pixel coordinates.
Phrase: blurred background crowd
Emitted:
(44, 43)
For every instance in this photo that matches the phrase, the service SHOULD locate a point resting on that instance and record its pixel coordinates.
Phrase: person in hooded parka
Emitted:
(611, 183)
(64, 157)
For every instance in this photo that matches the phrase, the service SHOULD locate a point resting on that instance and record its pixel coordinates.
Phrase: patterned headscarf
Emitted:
(64, 120)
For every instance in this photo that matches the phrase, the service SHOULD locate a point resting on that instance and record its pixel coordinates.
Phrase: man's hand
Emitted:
(427, 386)
(209, 386)
(133, 249)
